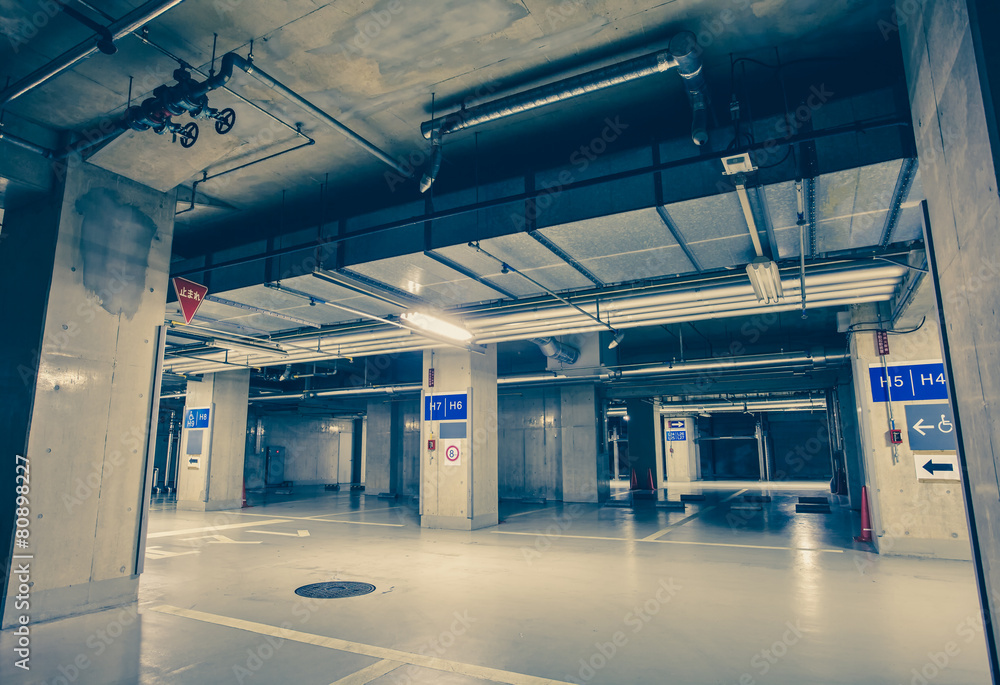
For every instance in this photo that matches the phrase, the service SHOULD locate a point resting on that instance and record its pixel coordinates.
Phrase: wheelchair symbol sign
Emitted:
(452, 455)
(931, 427)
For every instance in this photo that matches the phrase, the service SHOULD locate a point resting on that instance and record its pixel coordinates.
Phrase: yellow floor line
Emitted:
(170, 533)
(370, 673)
(669, 542)
(424, 661)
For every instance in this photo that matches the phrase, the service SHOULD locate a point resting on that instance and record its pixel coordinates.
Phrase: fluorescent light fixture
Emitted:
(765, 279)
(433, 324)
(615, 341)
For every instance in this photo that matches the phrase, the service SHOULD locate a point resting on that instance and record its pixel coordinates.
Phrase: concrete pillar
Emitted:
(213, 442)
(378, 447)
(459, 477)
(585, 471)
(951, 58)
(683, 461)
(84, 276)
(642, 428)
(913, 513)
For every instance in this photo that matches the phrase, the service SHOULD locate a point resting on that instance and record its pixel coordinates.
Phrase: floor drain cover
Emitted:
(335, 590)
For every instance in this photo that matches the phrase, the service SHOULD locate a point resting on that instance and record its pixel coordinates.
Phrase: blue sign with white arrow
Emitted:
(930, 427)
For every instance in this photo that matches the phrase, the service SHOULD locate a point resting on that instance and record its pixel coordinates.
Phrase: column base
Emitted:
(459, 522)
(211, 505)
(85, 598)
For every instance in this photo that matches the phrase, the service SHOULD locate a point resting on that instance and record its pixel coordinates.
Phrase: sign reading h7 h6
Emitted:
(908, 382)
(453, 407)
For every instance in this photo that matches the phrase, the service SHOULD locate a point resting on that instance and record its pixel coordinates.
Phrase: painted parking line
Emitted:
(370, 673)
(670, 542)
(318, 520)
(525, 513)
(384, 653)
(663, 531)
(209, 529)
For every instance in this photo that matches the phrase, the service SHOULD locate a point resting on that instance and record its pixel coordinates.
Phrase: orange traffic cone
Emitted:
(652, 485)
(866, 524)
(245, 505)
(634, 485)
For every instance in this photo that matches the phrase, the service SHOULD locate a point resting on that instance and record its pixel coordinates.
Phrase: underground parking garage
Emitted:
(498, 342)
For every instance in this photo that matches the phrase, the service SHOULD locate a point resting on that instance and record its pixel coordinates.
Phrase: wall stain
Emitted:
(115, 241)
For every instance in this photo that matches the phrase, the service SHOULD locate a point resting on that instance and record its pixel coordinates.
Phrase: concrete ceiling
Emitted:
(384, 67)
(375, 66)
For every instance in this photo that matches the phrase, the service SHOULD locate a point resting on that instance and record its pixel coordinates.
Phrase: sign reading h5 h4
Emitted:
(453, 407)
(908, 382)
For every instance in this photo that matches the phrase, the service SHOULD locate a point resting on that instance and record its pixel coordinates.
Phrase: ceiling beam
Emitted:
(675, 232)
(899, 194)
(469, 273)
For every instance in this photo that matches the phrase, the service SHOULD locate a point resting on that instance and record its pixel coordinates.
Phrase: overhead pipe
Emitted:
(375, 346)
(553, 349)
(231, 60)
(716, 363)
(130, 22)
(681, 55)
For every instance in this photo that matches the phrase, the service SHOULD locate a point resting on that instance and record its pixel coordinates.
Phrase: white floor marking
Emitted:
(222, 539)
(669, 542)
(370, 673)
(297, 534)
(663, 531)
(188, 531)
(157, 552)
(424, 661)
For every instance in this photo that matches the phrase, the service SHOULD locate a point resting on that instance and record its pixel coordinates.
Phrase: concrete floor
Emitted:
(558, 593)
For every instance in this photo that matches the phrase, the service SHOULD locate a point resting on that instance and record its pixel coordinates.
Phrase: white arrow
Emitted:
(298, 534)
(919, 427)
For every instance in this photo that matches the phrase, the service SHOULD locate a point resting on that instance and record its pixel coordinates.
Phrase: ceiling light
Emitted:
(615, 341)
(765, 279)
(433, 324)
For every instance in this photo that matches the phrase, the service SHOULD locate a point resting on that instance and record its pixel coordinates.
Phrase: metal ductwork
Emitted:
(553, 349)
(817, 358)
(682, 54)
(124, 26)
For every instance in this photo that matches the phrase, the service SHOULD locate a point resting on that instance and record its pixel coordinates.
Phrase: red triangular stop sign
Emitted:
(190, 295)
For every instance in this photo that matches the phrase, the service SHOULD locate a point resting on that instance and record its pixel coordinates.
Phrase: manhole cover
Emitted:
(334, 590)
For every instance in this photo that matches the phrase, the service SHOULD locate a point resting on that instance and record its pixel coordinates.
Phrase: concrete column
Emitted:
(459, 477)
(910, 515)
(642, 428)
(213, 445)
(683, 461)
(378, 448)
(84, 276)
(951, 58)
(585, 472)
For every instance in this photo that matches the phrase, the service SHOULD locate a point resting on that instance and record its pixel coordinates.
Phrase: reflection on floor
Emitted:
(727, 591)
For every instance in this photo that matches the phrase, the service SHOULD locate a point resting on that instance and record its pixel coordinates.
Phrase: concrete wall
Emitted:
(950, 61)
(909, 517)
(317, 450)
